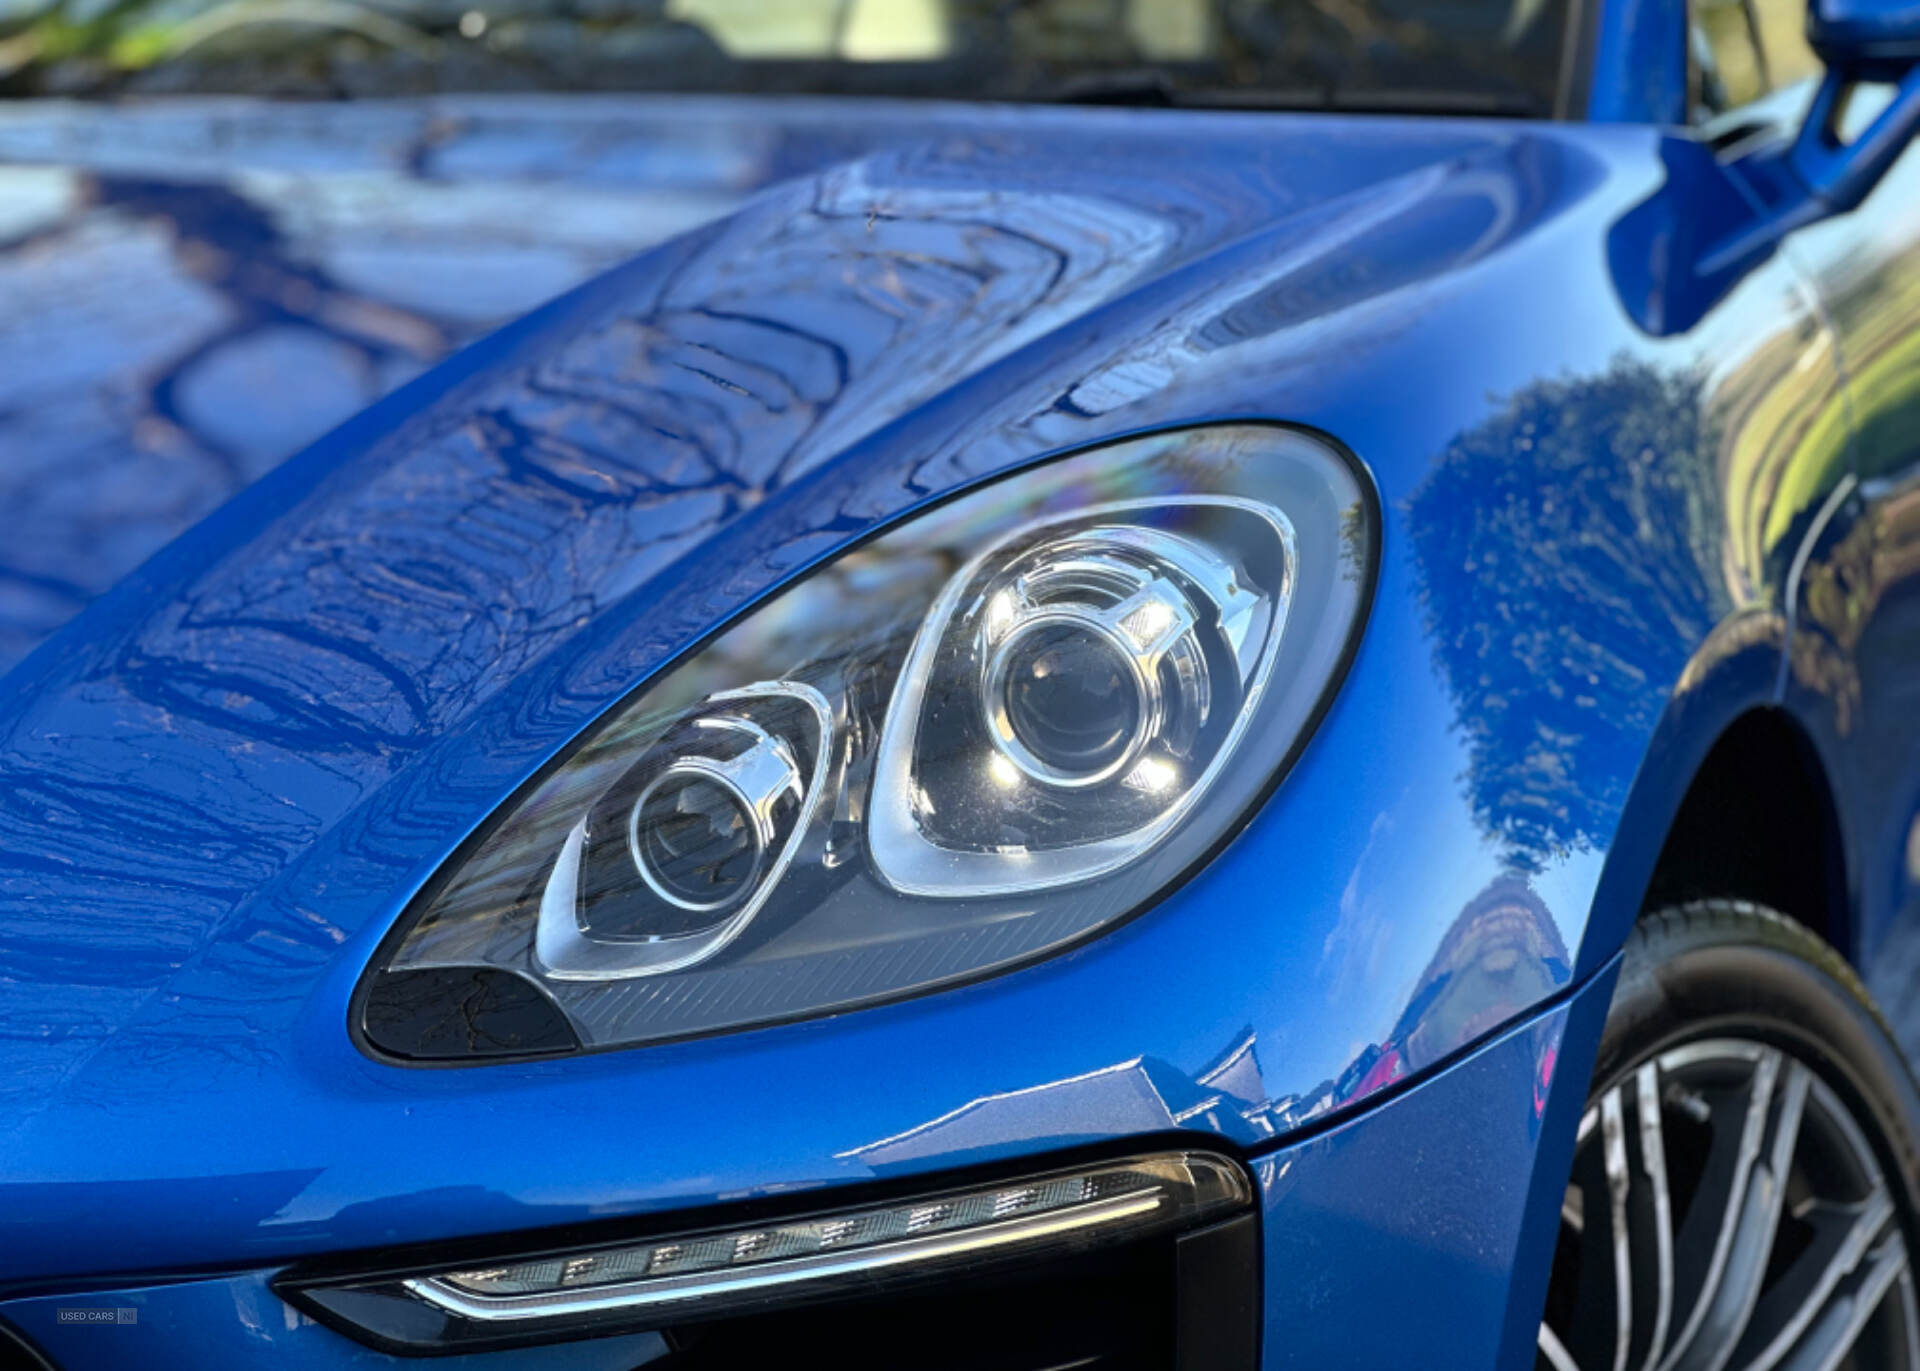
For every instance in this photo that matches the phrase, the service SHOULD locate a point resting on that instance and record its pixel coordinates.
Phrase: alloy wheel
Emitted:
(1727, 1213)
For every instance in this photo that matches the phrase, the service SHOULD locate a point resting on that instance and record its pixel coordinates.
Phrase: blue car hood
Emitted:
(195, 290)
(223, 780)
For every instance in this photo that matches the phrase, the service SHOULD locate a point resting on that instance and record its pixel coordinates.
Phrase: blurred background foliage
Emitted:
(1496, 55)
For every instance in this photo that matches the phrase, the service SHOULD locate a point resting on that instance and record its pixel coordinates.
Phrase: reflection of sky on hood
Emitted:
(175, 264)
(195, 291)
(1425, 856)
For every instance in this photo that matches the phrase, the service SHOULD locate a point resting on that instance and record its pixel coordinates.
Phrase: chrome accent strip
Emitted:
(1790, 593)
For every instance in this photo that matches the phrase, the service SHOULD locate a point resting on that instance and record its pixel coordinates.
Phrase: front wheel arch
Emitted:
(1759, 823)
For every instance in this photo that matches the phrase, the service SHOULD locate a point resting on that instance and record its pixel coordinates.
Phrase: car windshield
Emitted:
(1488, 56)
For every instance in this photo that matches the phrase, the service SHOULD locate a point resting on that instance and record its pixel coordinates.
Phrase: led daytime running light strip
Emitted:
(1097, 1204)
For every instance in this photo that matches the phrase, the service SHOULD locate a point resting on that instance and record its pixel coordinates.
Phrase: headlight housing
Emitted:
(1003, 724)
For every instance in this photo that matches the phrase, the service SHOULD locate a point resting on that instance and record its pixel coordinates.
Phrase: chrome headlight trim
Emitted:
(835, 931)
(562, 948)
(915, 865)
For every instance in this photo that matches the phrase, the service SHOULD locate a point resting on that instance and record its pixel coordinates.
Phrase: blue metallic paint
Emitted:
(1865, 32)
(166, 264)
(1423, 1202)
(225, 779)
(1639, 73)
(1431, 1204)
(1851, 679)
(237, 1320)
(348, 730)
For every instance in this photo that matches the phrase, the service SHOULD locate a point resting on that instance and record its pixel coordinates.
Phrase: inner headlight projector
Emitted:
(1005, 723)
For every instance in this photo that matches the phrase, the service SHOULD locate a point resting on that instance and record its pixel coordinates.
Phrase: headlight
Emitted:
(1005, 723)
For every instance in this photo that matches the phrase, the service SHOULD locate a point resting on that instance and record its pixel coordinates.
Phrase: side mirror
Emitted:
(1871, 41)
(1868, 40)
(1680, 250)
(1859, 40)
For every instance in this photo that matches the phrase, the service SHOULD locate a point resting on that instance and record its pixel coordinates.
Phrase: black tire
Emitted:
(1734, 1031)
(1726, 962)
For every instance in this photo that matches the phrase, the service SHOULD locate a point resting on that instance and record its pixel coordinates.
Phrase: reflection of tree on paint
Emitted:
(1875, 300)
(1563, 550)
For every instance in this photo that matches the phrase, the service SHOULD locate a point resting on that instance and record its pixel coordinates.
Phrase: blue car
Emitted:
(928, 685)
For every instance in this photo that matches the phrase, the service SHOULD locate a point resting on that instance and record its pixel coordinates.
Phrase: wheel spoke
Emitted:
(1727, 1212)
(1713, 1223)
(1842, 1234)
(1557, 1356)
(1571, 1213)
(1602, 1324)
(1613, 1137)
(1727, 1303)
(1653, 1161)
(1833, 1334)
(1909, 1316)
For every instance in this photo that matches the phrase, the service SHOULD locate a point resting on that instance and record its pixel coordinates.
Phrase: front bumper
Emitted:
(1415, 1233)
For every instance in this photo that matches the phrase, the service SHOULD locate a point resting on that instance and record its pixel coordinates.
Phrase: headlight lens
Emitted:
(1075, 689)
(933, 757)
